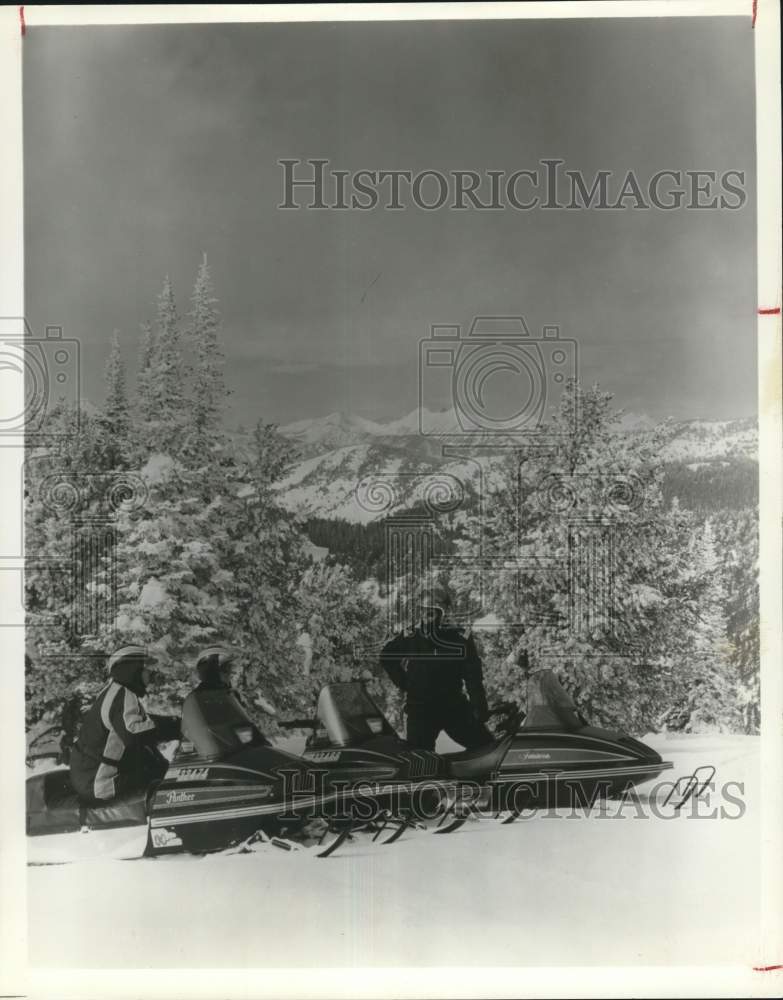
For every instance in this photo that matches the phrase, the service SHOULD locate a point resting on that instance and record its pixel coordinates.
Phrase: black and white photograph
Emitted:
(391, 501)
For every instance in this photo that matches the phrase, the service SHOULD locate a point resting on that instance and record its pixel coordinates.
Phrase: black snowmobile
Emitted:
(524, 767)
(227, 784)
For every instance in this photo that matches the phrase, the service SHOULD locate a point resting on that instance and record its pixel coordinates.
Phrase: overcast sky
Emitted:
(146, 146)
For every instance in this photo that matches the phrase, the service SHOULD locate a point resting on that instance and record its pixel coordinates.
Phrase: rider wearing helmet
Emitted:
(214, 666)
(115, 752)
(434, 664)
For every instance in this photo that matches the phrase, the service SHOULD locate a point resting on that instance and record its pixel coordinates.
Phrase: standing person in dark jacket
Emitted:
(434, 665)
(116, 752)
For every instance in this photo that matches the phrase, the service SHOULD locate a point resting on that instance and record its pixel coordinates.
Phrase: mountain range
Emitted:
(359, 470)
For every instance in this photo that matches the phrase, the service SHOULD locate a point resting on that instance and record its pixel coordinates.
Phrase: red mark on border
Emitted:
(766, 968)
(755, 11)
(771, 312)
(21, 20)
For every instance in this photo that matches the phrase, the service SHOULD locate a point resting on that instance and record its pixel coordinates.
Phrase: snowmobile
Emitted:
(523, 768)
(226, 784)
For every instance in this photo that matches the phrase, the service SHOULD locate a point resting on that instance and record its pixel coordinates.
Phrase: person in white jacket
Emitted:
(116, 751)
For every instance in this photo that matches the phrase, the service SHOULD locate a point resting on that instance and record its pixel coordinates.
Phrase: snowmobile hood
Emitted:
(128, 673)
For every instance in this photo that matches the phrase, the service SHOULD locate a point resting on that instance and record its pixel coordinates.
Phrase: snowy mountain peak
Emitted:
(336, 430)
(443, 421)
(635, 421)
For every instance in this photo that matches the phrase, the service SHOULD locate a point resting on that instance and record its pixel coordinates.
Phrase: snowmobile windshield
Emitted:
(549, 706)
(216, 724)
(349, 714)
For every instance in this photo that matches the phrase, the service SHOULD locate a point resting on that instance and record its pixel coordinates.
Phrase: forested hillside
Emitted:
(147, 521)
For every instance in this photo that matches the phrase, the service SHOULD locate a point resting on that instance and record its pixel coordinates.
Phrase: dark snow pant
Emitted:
(139, 767)
(456, 718)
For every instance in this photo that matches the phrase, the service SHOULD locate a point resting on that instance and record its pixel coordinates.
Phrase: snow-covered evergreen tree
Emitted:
(706, 696)
(166, 379)
(67, 564)
(615, 600)
(147, 350)
(209, 390)
(269, 557)
(116, 412)
(737, 545)
(338, 620)
(210, 557)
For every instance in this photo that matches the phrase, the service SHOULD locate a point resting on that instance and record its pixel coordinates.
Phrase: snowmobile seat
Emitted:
(475, 765)
(58, 790)
(130, 810)
(54, 807)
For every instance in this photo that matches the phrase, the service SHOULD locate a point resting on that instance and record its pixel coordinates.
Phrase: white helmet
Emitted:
(132, 652)
(214, 658)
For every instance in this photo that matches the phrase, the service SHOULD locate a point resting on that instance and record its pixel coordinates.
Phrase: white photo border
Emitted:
(16, 977)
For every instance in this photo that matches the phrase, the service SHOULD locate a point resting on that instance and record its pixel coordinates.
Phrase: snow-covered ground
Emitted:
(547, 890)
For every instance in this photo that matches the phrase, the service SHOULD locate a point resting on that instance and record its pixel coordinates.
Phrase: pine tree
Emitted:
(608, 592)
(209, 388)
(738, 553)
(337, 619)
(167, 378)
(713, 696)
(116, 415)
(208, 556)
(147, 359)
(212, 558)
(65, 514)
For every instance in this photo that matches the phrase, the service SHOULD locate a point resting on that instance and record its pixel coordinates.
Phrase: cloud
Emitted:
(254, 353)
